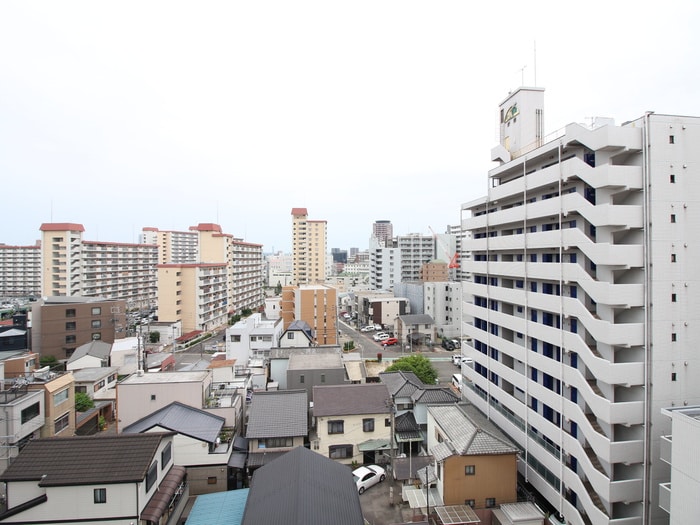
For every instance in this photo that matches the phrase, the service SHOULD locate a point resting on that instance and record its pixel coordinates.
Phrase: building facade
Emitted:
(62, 324)
(20, 270)
(71, 266)
(309, 248)
(383, 231)
(582, 303)
(317, 305)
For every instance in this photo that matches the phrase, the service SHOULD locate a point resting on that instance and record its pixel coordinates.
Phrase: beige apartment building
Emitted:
(20, 270)
(62, 324)
(308, 248)
(71, 266)
(314, 304)
(174, 247)
(194, 294)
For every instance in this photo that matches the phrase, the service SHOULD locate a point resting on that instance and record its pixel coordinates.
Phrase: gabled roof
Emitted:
(464, 437)
(299, 326)
(347, 400)
(183, 419)
(432, 394)
(85, 460)
(416, 319)
(303, 488)
(98, 349)
(401, 383)
(278, 413)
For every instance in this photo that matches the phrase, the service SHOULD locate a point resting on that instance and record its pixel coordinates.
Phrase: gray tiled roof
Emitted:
(401, 383)
(85, 460)
(346, 400)
(303, 488)
(315, 361)
(278, 413)
(434, 395)
(465, 436)
(98, 349)
(417, 319)
(183, 419)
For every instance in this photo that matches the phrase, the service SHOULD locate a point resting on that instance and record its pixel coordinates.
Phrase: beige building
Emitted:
(20, 270)
(434, 271)
(59, 403)
(314, 304)
(62, 324)
(193, 294)
(71, 266)
(176, 247)
(308, 248)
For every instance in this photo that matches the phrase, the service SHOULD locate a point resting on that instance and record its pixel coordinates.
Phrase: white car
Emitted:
(367, 476)
(369, 328)
(381, 336)
(377, 327)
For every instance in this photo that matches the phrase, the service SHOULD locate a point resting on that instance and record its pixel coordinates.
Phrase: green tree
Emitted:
(348, 345)
(154, 337)
(278, 288)
(83, 402)
(50, 361)
(419, 365)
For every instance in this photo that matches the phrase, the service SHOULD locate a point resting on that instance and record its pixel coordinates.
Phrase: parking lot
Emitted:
(382, 506)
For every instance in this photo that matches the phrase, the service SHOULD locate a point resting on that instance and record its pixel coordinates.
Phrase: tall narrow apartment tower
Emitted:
(308, 248)
(585, 314)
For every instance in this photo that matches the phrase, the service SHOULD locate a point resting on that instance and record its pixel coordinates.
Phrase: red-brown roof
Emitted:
(188, 336)
(206, 227)
(299, 211)
(61, 227)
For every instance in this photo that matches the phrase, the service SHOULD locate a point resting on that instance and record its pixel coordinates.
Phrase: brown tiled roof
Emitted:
(85, 460)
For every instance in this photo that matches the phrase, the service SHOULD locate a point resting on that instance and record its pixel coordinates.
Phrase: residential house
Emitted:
(280, 357)
(415, 331)
(278, 421)
(90, 355)
(201, 443)
(305, 371)
(141, 394)
(14, 336)
(122, 479)
(100, 385)
(303, 488)
(252, 338)
(401, 385)
(352, 422)
(297, 334)
(219, 508)
(58, 389)
(475, 464)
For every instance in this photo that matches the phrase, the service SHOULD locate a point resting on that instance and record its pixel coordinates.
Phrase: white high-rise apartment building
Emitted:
(416, 250)
(585, 314)
(20, 270)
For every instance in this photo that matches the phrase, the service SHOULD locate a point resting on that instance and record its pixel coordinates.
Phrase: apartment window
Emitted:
(153, 397)
(96, 310)
(672, 178)
(60, 397)
(470, 502)
(99, 495)
(673, 257)
(368, 424)
(470, 470)
(323, 378)
(302, 379)
(280, 442)
(70, 339)
(235, 338)
(673, 376)
(70, 326)
(674, 297)
(61, 423)
(673, 217)
(29, 413)
(671, 139)
(340, 451)
(336, 426)
(70, 312)
(290, 335)
(674, 337)
(96, 336)
(387, 422)
(211, 480)
(490, 503)
(151, 475)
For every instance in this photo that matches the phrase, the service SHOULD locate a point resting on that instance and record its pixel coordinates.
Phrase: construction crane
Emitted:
(453, 260)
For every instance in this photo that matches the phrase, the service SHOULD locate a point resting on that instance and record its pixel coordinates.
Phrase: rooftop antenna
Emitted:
(522, 75)
(535, 60)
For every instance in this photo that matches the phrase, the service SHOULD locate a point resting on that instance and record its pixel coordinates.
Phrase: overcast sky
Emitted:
(121, 115)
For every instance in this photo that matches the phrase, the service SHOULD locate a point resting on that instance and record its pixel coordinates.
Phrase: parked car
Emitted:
(391, 341)
(459, 360)
(447, 344)
(377, 327)
(381, 336)
(369, 328)
(367, 476)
